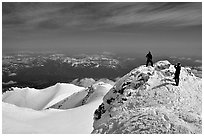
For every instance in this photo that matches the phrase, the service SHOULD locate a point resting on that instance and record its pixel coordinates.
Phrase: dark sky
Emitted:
(163, 28)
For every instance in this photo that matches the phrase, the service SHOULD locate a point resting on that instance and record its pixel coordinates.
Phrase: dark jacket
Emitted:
(178, 68)
(149, 56)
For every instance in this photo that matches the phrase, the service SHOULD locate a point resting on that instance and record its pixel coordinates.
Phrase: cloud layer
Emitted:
(94, 16)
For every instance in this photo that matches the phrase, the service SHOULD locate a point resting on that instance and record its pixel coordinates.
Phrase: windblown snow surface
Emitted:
(62, 108)
(146, 101)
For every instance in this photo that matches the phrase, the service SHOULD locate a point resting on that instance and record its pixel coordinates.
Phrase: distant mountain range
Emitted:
(40, 70)
(43, 70)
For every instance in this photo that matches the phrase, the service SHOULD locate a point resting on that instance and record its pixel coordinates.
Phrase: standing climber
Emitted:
(177, 73)
(149, 59)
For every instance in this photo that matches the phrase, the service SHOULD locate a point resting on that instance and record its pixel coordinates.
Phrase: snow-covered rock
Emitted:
(146, 100)
(85, 82)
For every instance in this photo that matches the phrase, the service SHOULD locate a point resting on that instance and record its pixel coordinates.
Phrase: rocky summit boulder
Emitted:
(146, 100)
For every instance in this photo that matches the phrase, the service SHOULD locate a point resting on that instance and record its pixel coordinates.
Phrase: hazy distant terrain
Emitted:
(40, 70)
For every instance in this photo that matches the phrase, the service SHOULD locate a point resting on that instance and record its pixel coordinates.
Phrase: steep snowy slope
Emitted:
(83, 97)
(74, 120)
(40, 99)
(146, 100)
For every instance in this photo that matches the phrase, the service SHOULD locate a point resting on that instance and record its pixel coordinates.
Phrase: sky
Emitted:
(173, 29)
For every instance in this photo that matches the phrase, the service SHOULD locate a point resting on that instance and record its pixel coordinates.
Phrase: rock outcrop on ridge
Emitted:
(146, 100)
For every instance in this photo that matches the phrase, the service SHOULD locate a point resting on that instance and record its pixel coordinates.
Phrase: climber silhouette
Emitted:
(177, 73)
(149, 59)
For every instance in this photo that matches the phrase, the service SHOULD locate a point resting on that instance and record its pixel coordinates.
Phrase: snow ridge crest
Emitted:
(146, 100)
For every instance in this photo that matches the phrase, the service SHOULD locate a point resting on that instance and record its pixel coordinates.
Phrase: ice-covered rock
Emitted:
(146, 100)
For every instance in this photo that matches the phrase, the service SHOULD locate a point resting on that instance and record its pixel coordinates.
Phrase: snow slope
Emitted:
(79, 119)
(146, 100)
(40, 99)
(84, 96)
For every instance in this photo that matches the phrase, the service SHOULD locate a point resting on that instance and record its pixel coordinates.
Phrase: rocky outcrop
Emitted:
(146, 100)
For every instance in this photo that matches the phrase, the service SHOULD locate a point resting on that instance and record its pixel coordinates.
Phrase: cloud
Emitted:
(12, 74)
(182, 58)
(167, 14)
(198, 61)
(173, 57)
(93, 16)
(9, 83)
